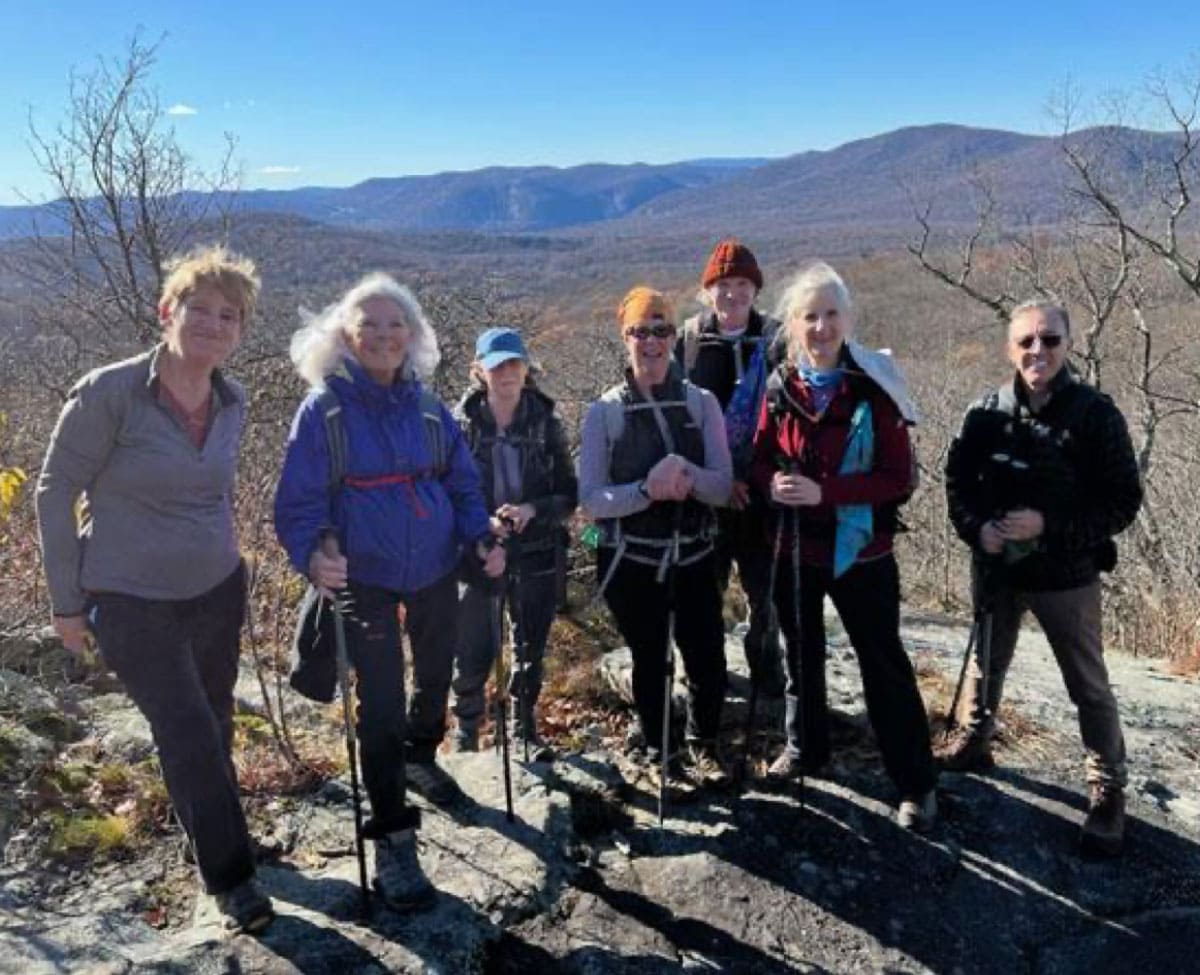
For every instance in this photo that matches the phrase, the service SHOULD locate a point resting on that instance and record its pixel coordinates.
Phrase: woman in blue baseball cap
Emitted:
(530, 487)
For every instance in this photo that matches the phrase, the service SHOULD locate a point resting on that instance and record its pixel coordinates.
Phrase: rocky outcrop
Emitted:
(761, 880)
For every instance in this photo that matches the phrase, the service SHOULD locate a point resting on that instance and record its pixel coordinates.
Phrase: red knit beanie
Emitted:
(731, 259)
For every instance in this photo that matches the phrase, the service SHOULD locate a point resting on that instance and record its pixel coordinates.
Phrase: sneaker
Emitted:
(918, 813)
(789, 767)
(707, 766)
(1104, 828)
(398, 874)
(465, 739)
(430, 780)
(963, 751)
(245, 909)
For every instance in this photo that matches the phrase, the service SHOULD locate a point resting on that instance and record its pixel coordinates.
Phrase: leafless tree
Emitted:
(126, 197)
(1103, 260)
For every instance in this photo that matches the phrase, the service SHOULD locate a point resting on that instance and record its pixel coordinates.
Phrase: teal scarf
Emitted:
(855, 522)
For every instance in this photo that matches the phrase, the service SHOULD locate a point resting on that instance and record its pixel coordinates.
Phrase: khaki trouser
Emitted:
(1070, 618)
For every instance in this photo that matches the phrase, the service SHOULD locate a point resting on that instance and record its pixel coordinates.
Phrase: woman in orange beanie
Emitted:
(653, 462)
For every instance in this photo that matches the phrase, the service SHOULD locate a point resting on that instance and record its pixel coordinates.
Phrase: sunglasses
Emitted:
(643, 332)
(1049, 341)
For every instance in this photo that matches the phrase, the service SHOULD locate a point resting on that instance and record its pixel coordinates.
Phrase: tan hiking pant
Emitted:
(1070, 618)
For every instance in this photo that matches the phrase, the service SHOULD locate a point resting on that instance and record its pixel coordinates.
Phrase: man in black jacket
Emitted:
(1039, 480)
(715, 350)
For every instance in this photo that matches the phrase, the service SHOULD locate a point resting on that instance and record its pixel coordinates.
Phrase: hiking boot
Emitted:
(398, 874)
(707, 766)
(918, 813)
(1104, 828)
(679, 783)
(245, 909)
(963, 751)
(465, 739)
(635, 743)
(430, 780)
(789, 767)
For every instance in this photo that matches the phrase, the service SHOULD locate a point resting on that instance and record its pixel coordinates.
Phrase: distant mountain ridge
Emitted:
(866, 185)
(497, 199)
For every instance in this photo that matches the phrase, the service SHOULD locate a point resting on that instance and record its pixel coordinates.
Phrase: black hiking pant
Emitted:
(741, 538)
(867, 598)
(387, 729)
(178, 660)
(639, 604)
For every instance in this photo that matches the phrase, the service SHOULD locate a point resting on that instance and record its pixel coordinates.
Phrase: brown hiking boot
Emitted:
(963, 751)
(1104, 828)
(707, 766)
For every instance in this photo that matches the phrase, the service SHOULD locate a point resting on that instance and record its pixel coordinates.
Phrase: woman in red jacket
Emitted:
(832, 453)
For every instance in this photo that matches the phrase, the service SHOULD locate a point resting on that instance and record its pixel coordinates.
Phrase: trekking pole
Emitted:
(329, 546)
(669, 676)
(796, 622)
(952, 717)
(520, 646)
(497, 625)
(768, 597)
(979, 640)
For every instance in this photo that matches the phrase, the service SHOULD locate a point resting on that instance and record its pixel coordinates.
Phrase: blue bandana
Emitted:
(822, 384)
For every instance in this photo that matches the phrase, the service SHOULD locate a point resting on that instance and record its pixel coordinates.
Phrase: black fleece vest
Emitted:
(642, 445)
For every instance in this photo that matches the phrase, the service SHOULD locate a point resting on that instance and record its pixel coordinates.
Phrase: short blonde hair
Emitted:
(234, 276)
(812, 279)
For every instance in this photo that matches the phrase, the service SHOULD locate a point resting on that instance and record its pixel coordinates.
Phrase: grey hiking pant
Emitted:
(476, 653)
(178, 660)
(1070, 618)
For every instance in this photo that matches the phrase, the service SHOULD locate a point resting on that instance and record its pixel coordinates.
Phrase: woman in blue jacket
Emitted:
(381, 500)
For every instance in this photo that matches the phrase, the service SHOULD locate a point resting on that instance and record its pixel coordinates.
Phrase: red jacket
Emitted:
(790, 437)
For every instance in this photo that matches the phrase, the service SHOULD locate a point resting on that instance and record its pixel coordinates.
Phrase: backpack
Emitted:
(614, 412)
(771, 339)
(335, 434)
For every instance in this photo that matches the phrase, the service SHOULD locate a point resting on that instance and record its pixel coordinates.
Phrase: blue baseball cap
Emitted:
(498, 345)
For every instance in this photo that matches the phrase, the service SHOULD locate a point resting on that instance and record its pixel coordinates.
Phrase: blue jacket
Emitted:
(403, 534)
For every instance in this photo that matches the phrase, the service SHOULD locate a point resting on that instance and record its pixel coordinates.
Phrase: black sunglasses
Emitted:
(1050, 340)
(643, 332)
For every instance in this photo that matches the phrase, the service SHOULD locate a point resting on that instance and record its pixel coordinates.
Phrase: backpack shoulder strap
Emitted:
(773, 393)
(335, 435)
(435, 434)
(695, 403)
(691, 343)
(613, 411)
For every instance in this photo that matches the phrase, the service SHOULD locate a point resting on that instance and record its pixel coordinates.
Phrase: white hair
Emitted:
(811, 279)
(319, 345)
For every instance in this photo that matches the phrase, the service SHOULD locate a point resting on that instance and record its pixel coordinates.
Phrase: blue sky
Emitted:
(333, 93)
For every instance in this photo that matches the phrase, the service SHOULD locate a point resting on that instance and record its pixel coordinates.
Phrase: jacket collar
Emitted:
(1019, 392)
(754, 325)
(532, 405)
(352, 378)
(224, 391)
